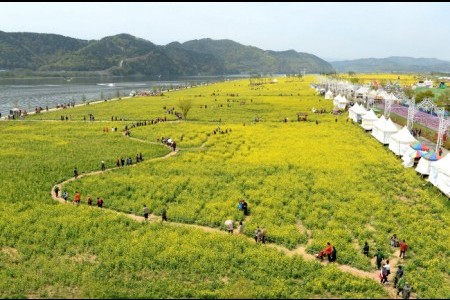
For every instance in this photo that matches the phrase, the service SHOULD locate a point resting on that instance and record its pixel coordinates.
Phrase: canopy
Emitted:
(419, 146)
(440, 174)
(431, 156)
(400, 141)
(423, 167)
(368, 119)
(383, 130)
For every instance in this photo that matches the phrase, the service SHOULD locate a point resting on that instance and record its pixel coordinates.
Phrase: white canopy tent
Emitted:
(356, 112)
(376, 125)
(400, 142)
(336, 100)
(329, 95)
(368, 119)
(440, 174)
(408, 161)
(352, 112)
(384, 131)
(342, 103)
(424, 165)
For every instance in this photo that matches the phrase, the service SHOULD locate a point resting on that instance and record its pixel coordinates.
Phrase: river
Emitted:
(26, 94)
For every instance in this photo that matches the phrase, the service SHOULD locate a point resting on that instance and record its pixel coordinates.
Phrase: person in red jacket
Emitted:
(403, 247)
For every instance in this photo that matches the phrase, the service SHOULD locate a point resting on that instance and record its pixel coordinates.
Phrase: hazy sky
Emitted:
(328, 30)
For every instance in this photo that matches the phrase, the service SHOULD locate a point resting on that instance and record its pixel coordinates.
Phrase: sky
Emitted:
(332, 31)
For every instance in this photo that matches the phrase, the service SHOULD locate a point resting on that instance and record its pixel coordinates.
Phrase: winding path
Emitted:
(300, 250)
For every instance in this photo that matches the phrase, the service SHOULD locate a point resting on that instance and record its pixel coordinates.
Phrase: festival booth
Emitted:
(328, 95)
(368, 119)
(356, 112)
(342, 103)
(376, 125)
(384, 130)
(440, 174)
(400, 142)
(411, 156)
(426, 162)
(336, 100)
(352, 112)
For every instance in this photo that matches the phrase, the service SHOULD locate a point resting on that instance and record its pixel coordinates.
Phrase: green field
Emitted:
(306, 182)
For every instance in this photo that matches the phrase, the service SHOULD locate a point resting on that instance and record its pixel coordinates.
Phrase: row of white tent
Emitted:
(399, 141)
(363, 91)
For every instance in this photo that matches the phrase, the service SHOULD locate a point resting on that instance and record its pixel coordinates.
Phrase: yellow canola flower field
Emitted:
(307, 182)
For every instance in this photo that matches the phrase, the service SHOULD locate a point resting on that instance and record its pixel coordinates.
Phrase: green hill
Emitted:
(247, 59)
(124, 54)
(24, 50)
(392, 64)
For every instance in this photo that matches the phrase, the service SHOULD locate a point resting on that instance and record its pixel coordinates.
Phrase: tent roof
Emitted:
(370, 115)
(403, 136)
(443, 165)
(343, 100)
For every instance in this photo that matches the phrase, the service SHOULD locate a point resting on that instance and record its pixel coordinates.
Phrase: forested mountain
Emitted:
(238, 58)
(124, 54)
(392, 64)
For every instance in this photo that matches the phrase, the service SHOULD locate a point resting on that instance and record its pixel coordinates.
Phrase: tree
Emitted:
(409, 92)
(185, 106)
(425, 94)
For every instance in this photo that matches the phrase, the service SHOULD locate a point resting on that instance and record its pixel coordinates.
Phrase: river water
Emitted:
(26, 94)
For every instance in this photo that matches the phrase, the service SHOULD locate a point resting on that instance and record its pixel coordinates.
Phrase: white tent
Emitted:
(356, 112)
(352, 112)
(392, 97)
(376, 125)
(372, 94)
(408, 161)
(424, 165)
(440, 174)
(360, 112)
(384, 131)
(329, 95)
(336, 100)
(368, 119)
(400, 142)
(342, 103)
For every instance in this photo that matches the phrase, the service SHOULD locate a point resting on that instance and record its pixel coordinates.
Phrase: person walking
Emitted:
(99, 202)
(406, 293)
(398, 275)
(400, 285)
(263, 235)
(403, 247)
(257, 231)
(89, 201)
(366, 249)
(103, 165)
(65, 195)
(241, 228)
(56, 190)
(388, 267)
(379, 258)
(333, 254)
(146, 212)
(75, 172)
(384, 274)
(77, 198)
(245, 207)
(164, 215)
